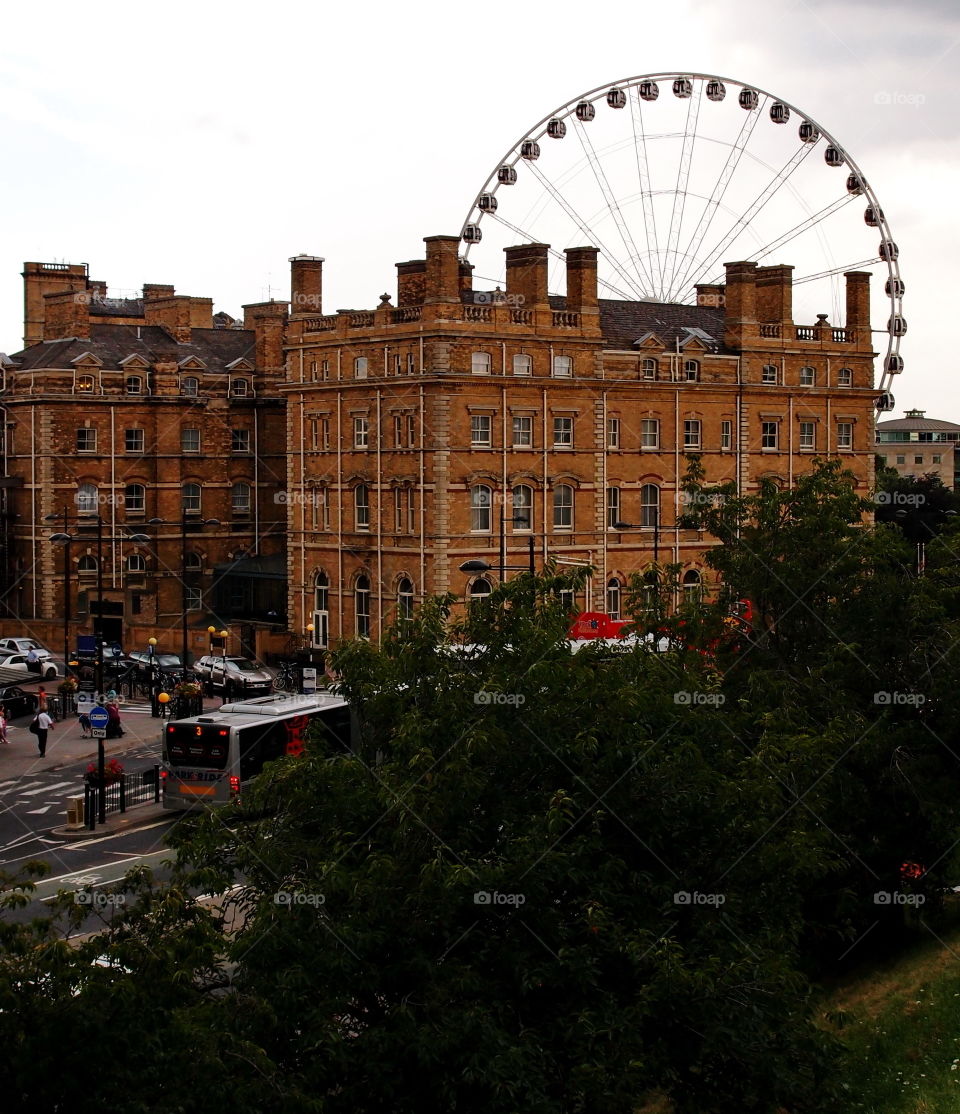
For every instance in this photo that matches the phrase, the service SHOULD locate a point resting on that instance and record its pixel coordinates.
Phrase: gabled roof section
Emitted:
(621, 323)
(134, 360)
(192, 363)
(243, 364)
(87, 359)
(649, 340)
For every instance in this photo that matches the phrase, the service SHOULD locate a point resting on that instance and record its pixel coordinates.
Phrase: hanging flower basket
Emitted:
(187, 688)
(111, 773)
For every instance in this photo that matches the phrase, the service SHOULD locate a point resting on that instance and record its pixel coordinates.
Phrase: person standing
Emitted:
(114, 728)
(3, 726)
(41, 699)
(43, 723)
(33, 661)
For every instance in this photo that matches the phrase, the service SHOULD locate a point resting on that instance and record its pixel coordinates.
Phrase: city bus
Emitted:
(207, 759)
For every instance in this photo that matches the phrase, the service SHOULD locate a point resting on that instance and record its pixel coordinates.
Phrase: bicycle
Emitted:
(287, 679)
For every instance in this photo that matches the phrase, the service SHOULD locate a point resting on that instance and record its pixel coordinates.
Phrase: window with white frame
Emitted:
(361, 433)
(360, 366)
(523, 432)
(136, 565)
(135, 498)
(613, 506)
(411, 431)
(692, 587)
(522, 364)
(411, 364)
(194, 598)
(726, 435)
(240, 498)
(190, 500)
(325, 434)
(399, 510)
(649, 433)
(563, 507)
(193, 562)
(87, 566)
(240, 388)
(86, 440)
(613, 598)
(189, 386)
(649, 505)
(769, 374)
(361, 507)
(563, 433)
(85, 384)
(133, 440)
(361, 604)
(845, 377)
(808, 435)
(190, 440)
(649, 369)
(405, 600)
(240, 440)
(480, 431)
(480, 363)
(562, 367)
(398, 431)
(613, 433)
(769, 435)
(691, 370)
(88, 499)
(481, 501)
(808, 377)
(134, 385)
(845, 435)
(691, 433)
(522, 507)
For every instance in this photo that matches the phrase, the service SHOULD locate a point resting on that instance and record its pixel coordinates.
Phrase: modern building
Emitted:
(916, 445)
(457, 424)
(122, 412)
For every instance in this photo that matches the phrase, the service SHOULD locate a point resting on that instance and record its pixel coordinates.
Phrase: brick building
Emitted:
(129, 410)
(433, 431)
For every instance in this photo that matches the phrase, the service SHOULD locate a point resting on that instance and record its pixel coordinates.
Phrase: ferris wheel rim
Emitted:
(894, 287)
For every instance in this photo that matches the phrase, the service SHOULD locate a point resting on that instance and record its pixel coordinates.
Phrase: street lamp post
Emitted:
(639, 526)
(64, 539)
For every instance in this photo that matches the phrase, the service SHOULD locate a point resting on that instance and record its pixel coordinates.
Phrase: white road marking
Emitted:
(44, 788)
(113, 835)
(39, 811)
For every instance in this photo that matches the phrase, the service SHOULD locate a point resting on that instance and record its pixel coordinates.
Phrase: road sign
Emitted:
(116, 650)
(309, 680)
(98, 722)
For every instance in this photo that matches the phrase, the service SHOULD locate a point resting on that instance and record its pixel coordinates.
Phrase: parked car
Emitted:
(232, 676)
(16, 702)
(23, 646)
(164, 664)
(48, 669)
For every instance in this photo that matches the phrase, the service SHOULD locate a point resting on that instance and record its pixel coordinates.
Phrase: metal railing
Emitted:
(128, 790)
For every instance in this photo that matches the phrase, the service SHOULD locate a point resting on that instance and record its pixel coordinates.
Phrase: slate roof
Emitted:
(919, 424)
(113, 343)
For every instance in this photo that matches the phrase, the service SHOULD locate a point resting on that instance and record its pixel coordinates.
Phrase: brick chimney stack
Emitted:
(527, 274)
(858, 306)
(774, 298)
(581, 279)
(442, 269)
(741, 302)
(306, 284)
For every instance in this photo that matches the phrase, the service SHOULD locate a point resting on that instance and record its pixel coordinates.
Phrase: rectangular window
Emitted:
(613, 433)
(397, 430)
(845, 377)
(411, 511)
(563, 508)
(86, 440)
(808, 377)
(411, 431)
(808, 435)
(691, 434)
(937, 459)
(360, 367)
(901, 460)
(325, 434)
(522, 364)
(769, 373)
(769, 435)
(562, 367)
(726, 435)
(397, 364)
(134, 385)
(411, 364)
(361, 433)
(649, 369)
(563, 433)
(133, 440)
(480, 363)
(399, 514)
(314, 434)
(918, 460)
(650, 433)
(240, 440)
(190, 440)
(613, 506)
(844, 435)
(194, 599)
(324, 369)
(522, 433)
(480, 431)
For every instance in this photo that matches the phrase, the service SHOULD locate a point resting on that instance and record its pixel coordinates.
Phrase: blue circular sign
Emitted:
(117, 651)
(98, 716)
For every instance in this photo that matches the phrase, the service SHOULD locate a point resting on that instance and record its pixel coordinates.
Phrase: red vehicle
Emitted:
(596, 624)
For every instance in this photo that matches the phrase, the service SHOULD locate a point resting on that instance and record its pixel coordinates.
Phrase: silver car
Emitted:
(233, 676)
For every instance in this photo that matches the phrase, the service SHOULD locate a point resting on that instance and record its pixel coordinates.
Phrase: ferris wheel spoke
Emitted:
(798, 230)
(837, 270)
(610, 200)
(556, 255)
(757, 205)
(646, 196)
(715, 200)
(588, 232)
(683, 179)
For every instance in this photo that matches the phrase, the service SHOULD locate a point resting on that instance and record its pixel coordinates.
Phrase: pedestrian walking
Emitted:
(114, 727)
(41, 699)
(40, 726)
(85, 732)
(33, 661)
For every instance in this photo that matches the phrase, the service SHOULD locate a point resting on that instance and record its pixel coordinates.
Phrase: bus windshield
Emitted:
(197, 744)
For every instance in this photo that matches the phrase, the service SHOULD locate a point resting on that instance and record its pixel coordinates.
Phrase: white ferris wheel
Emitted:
(672, 175)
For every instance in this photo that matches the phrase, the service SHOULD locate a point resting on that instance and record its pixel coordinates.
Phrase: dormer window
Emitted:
(240, 388)
(189, 386)
(85, 384)
(134, 385)
(691, 371)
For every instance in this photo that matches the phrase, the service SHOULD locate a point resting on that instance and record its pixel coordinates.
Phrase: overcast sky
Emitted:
(201, 144)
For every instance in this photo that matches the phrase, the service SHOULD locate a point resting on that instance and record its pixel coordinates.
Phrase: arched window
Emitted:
(405, 600)
(87, 566)
(134, 385)
(88, 499)
(136, 563)
(240, 498)
(649, 369)
(522, 364)
(522, 507)
(808, 377)
(479, 590)
(563, 507)
(691, 370)
(692, 587)
(480, 363)
(361, 602)
(613, 598)
(85, 384)
(189, 386)
(562, 367)
(191, 498)
(193, 562)
(481, 499)
(240, 388)
(844, 377)
(321, 613)
(135, 498)
(769, 374)
(649, 505)
(361, 507)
